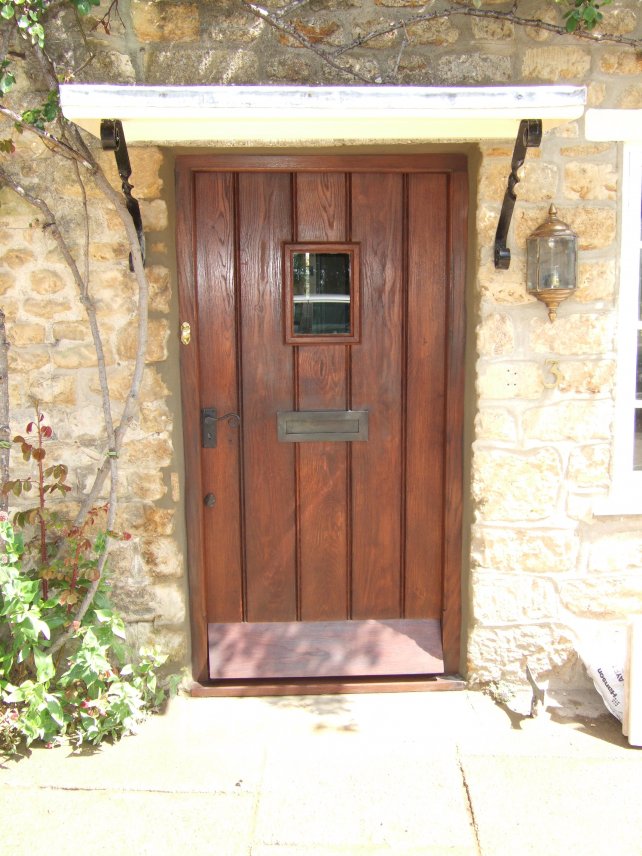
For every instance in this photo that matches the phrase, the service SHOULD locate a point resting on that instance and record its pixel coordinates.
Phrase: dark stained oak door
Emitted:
(323, 558)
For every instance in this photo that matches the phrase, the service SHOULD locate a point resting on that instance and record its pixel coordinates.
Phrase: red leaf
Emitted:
(30, 427)
(39, 454)
(47, 432)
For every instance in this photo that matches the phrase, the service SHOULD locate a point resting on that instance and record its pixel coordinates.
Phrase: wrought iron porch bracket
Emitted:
(529, 135)
(112, 138)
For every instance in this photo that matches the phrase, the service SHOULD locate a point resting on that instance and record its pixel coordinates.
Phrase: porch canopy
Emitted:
(287, 115)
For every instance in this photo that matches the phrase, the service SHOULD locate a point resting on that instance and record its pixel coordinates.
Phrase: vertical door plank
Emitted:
(455, 380)
(215, 275)
(425, 397)
(267, 373)
(189, 363)
(322, 467)
(377, 222)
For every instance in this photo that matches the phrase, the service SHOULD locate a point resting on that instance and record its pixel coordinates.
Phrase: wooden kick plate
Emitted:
(323, 649)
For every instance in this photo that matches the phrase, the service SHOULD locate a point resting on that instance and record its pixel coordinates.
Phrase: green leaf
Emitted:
(7, 11)
(45, 669)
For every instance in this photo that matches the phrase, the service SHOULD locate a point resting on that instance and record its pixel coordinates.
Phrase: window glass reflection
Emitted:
(321, 293)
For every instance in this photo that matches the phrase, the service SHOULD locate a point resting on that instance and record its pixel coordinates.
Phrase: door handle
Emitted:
(208, 425)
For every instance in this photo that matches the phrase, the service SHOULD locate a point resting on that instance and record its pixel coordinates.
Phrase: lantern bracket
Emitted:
(112, 139)
(529, 135)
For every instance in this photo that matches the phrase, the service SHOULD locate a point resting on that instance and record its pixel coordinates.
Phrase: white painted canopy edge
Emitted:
(273, 115)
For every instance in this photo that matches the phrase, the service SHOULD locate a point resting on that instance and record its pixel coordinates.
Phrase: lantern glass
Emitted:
(551, 262)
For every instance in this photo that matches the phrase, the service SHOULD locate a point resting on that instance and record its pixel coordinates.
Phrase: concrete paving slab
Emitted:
(51, 822)
(556, 805)
(347, 790)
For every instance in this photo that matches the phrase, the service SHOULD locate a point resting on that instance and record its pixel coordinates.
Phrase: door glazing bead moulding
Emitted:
(321, 293)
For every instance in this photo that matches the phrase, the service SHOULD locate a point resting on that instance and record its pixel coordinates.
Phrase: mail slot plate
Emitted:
(307, 426)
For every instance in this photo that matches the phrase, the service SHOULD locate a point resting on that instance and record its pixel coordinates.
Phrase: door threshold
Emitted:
(328, 686)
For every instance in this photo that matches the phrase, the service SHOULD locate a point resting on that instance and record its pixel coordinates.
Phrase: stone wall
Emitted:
(541, 562)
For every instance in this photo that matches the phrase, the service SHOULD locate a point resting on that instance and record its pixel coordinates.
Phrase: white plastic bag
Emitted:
(603, 652)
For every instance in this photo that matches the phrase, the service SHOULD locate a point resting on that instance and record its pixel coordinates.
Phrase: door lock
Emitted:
(209, 500)
(186, 333)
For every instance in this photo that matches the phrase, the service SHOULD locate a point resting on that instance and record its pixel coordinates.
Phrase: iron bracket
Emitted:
(112, 138)
(529, 135)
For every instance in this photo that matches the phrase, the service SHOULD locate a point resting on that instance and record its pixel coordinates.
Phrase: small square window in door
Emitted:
(321, 293)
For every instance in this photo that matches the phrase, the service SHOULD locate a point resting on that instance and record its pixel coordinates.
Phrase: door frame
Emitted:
(455, 165)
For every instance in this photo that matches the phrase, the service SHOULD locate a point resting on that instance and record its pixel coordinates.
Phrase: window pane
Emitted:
(321, 293)
(637, 441)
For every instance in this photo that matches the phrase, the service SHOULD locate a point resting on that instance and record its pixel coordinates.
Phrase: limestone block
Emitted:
(616, 552)
(158, 521)
(316, 29)
(156, 344)
(147, 485)
(24, 360)
(17, 259)
(166, 67)
(400, 3)
(603, 597)
(595, 281)
(154, 214)
(631, 98)
(586, 150)
(290, 69)
(140, 518)
(590, 181)
(46, 281)
(7, 282)
(487, 216)
(25, 334)
(579, 420)
(169, 604)
(153, 386)
(556, 63)
(538, 181)
(155, 416)
(594, 226)
(162, 557)
(44, 308)
(589, 466)
(74, 331)
(499, 653)
(83, 425)
(621, 62)
(439, 32)
(485, 29)
(579, 506)
(461, 69)
(520, 550)
(513, 486)
(54, 389)
(116, 251)
(618, 21)
(160, 21)
(78, 357)
(15, 212)
(504, 286)
(596, 94)
(147, 452)
(385, 40)
(146, 164)
(575, 334)
(510, 599)
(107, 66)
(547, 13)
(496, 336)
(495, 423)
(235, 29)
(171, 641)
(592, 377)
(510, 380)
(159, 289)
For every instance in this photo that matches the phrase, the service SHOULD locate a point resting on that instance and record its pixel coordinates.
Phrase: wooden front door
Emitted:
(322, 406)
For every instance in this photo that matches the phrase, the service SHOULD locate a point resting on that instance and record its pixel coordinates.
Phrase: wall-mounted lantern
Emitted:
(551, 262)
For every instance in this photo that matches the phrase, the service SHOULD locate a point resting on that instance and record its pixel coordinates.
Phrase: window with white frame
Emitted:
(627, 469)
